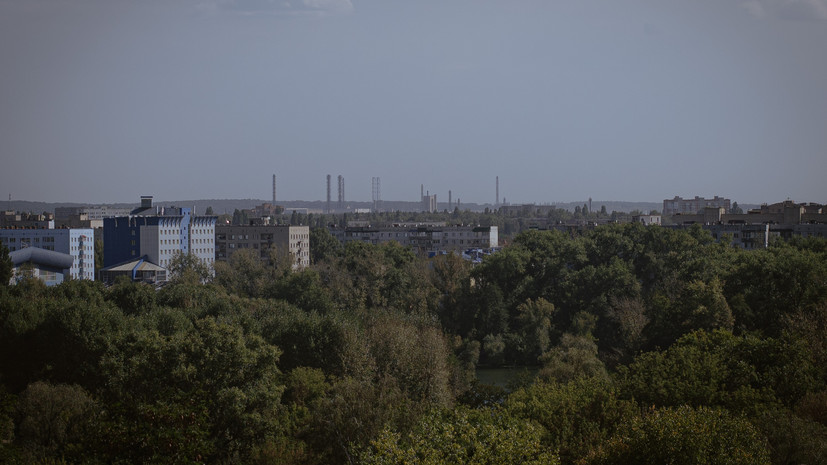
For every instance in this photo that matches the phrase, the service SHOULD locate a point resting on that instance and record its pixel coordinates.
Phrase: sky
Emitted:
(103, 101)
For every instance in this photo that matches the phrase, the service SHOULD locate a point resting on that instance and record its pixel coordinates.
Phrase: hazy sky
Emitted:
(638, 100)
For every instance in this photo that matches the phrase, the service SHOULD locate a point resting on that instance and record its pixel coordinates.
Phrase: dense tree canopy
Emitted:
(648, 345)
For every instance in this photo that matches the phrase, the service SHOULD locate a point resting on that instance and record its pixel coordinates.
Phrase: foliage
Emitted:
(323, 246)
(577, 417)
(462, 436)
(187, 268)
(719, 369)
(792, 438)
(575, 357)
(684, 436)
(370, 354)
(55, 420)
(6, 266)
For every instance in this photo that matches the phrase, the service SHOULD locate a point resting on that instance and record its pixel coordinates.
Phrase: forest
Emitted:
(646, 345)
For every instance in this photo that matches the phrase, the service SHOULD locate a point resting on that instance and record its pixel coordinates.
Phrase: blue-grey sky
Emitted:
(638, 100)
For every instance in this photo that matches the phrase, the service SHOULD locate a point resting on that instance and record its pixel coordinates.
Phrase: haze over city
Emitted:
(105, 100)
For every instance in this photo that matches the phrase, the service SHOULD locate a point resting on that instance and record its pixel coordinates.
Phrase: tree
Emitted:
(578, 416)
(188, 268)
(55, 420)
(462, 436)
(209, 211)
(240, 217)
(575, 357)
(98, 255)
(699, 305)
(684, 436)
(218, 393)
(743, 374)
(323, 245)
(6, 266)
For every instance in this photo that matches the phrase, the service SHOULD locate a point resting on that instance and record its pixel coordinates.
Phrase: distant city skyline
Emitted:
(640, 101)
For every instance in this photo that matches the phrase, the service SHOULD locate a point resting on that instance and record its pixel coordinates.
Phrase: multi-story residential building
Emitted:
(787, 212)
(11, 219)
(757, 227)
(95, 212)
(423, 239)
(679, 205)
(158, 234)
(647, 220)
(285, 239)
(79, 243)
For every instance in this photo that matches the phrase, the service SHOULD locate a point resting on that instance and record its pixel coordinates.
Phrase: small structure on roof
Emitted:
(47, 265)
(139, 270)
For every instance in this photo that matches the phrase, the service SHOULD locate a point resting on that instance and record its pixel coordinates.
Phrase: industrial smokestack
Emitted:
(498, 192)
(341, 191)
(274, 189)
(328, 193)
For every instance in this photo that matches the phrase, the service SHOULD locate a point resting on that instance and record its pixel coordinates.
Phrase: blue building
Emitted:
(79, 243)
(46, 265)
(158, 234)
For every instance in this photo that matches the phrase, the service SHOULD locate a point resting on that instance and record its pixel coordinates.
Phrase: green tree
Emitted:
(243, 274)
(416, 355)
(792, 438)
(577, 416)
(684, 436)
(216, 397)
(55, 420)
(698, 306)
(6, 266)
(131, 297)
(323, 245)
(188, 268)
(462, 436)
(575, 357)
(240, 217)
(743, 374)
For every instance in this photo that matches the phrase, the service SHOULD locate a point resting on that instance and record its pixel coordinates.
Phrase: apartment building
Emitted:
(285, 239)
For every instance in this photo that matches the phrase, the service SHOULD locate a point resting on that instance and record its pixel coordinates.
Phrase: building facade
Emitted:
(787, 212)
(756, 228)
(46, 265)
(96, 212)
(423, 239)
(680, 205)
(11, 219)
(160, 236)
(139, 270)
(284, 239)
(647, 220)
(79, 243)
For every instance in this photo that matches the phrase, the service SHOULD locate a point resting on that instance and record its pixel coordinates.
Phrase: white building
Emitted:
(79, 243)
(159, 235)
